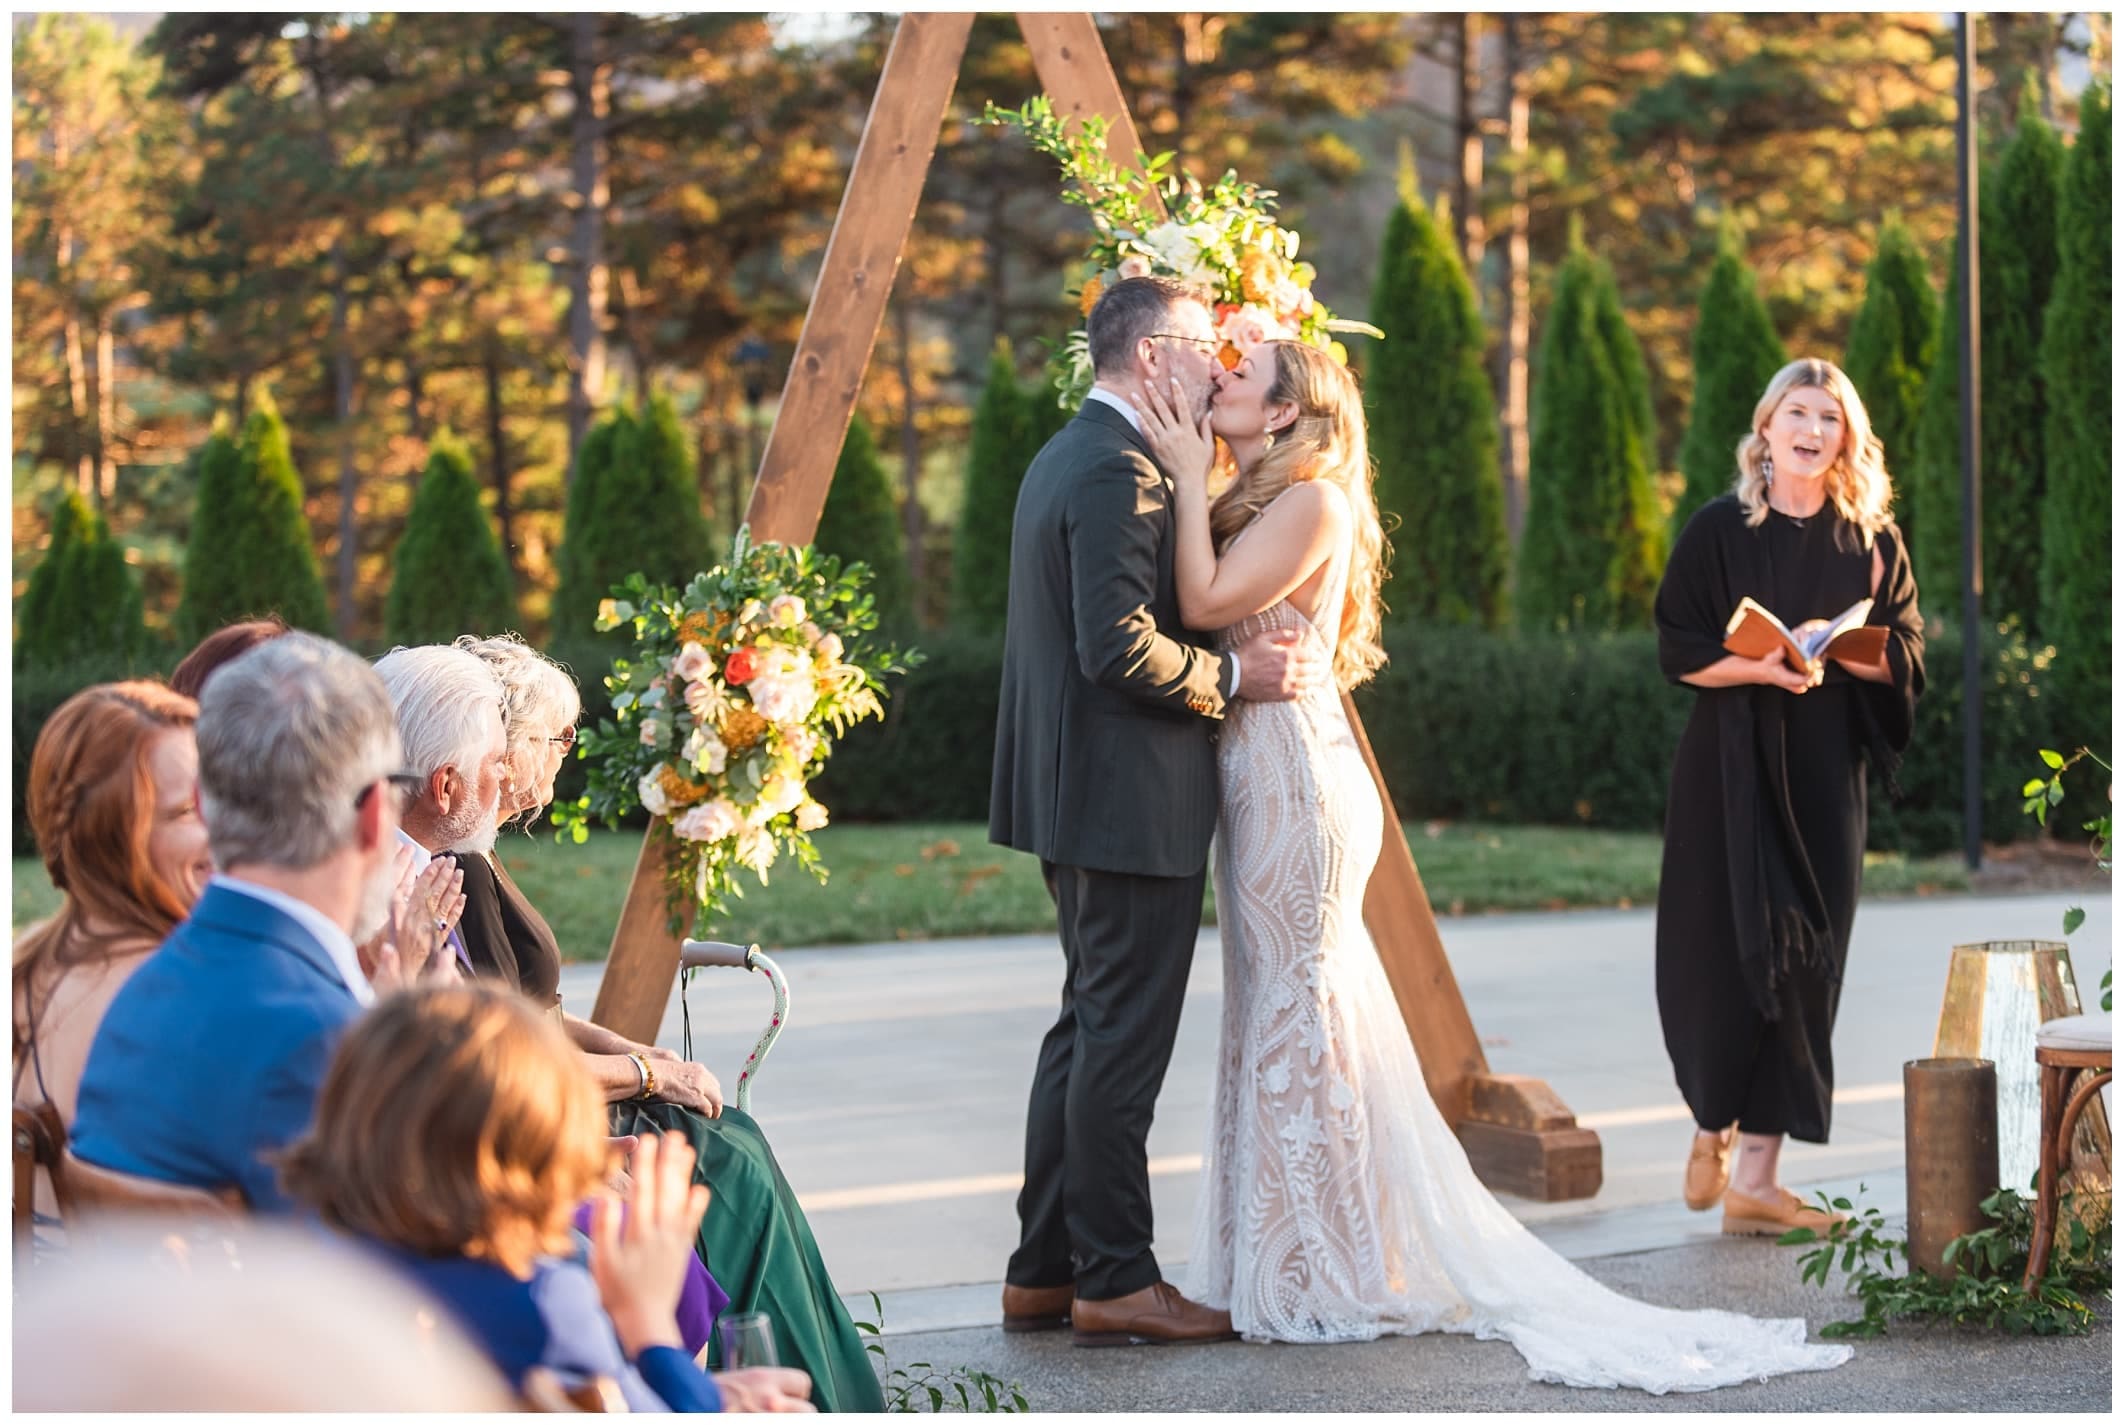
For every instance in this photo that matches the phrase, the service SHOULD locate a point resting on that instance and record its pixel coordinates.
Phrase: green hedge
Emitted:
(1466, 725)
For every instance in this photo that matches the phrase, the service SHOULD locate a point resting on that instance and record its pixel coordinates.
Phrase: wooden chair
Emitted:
(2065, 1048)
(39, 1139)
(543, 1394)
(88, 1193)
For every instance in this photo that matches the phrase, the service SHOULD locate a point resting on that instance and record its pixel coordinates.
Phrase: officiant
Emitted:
(1765, 831)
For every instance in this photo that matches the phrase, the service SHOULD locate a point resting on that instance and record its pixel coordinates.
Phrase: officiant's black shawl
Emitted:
(1766, 812)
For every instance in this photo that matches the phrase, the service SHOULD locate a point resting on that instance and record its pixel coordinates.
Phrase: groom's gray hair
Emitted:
(1127, 312)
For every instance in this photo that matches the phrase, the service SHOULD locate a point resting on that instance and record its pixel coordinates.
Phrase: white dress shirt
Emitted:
(337, 943)
(421, 854)
(1127, 408)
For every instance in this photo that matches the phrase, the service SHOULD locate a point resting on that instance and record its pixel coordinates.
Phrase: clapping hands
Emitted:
(410, 948)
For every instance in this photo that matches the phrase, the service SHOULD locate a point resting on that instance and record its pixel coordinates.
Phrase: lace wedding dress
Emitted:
(1337, 1204)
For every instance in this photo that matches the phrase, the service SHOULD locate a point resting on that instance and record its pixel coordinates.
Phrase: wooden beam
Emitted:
(862, 258)
(825, 376)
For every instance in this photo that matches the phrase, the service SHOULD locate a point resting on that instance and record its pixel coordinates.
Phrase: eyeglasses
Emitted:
(566, 738)
(1208, 341)
(406, 784)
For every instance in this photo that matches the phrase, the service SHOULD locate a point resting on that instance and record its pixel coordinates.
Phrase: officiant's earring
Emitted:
(1768, 470)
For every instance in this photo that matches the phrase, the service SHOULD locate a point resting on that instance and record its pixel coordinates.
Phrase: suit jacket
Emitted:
(1105, 754)
(214, 1052)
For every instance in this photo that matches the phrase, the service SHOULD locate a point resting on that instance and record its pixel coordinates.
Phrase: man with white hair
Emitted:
(449, 706)
(210, 1058)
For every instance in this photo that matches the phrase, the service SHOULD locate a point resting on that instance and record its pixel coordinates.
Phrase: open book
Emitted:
(1755, 632)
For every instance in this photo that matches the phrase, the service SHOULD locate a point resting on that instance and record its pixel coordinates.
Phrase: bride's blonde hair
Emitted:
(1325, 442)
(1857, 484)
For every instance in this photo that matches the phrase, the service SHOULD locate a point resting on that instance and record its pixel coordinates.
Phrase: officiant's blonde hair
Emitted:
(1857, 484)
(1325, 442)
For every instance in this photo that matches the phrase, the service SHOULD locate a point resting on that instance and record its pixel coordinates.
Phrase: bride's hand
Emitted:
(1185, 449)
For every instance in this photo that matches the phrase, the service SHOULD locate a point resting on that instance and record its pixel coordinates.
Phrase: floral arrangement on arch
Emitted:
(726, 708)
(1223, 240)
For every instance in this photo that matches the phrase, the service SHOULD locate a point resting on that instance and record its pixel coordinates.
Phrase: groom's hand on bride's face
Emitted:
(1277, 667)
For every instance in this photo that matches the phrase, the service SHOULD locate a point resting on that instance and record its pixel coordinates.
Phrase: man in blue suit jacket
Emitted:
(210, 1058)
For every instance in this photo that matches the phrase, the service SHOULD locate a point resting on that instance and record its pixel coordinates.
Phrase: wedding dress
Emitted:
(1337, 1204)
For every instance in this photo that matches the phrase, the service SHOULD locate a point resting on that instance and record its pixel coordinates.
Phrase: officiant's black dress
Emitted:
(1766, 813)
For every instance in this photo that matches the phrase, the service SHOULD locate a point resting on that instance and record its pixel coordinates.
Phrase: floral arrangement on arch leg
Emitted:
(1224, 241)
(726, 708)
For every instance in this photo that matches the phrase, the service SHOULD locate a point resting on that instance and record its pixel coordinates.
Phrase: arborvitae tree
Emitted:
(448, 575)
(1893, 344)
(1433, 422)
(634, 507)
(82, 600)
(2076, 364)
(1590, 555)
(1733, 355)
(862, 522)
(250, 550)
(1000, 449)
(2017, 258)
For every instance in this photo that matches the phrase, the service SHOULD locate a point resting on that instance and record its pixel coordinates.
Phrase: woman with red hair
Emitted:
(113, 801)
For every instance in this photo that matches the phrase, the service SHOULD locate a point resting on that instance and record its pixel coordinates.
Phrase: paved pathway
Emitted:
(896, 1102)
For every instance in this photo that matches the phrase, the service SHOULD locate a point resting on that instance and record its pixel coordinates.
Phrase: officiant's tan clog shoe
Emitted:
(1752, 1217)
(1037, 1308)
(1710, 1166)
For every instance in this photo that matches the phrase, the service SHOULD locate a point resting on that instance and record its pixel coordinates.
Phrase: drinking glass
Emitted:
(748, 1340)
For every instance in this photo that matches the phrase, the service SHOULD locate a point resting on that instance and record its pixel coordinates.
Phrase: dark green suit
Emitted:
(1105, 769)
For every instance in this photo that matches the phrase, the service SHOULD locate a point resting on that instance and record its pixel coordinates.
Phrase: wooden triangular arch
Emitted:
(1519, 1135)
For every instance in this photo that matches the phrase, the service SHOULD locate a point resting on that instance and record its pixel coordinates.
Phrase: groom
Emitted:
(1106, 770)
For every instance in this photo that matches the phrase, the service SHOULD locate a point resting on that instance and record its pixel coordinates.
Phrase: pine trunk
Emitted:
(343, 414)
(1467, 191)
(591, 85)
(498, 460)
(910, 448)
(1512, 351)
(106, 410)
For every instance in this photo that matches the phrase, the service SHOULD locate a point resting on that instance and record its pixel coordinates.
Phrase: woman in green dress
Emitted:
(753, 1238)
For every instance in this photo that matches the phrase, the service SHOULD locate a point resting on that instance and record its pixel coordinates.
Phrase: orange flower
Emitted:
(1228, 357)
(680, 791)
(1090, 298)
(741, 728)
(1258, 275)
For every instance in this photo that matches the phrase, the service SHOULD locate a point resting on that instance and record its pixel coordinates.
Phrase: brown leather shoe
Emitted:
(1037, 1308)
(1158, 1315)
(1710, 1167)
(1752, 1217)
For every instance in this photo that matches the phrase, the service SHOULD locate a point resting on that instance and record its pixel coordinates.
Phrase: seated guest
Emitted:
(456, 1131)
(756, 1240)
(223, 645)
(211, 1055)
(112, 800)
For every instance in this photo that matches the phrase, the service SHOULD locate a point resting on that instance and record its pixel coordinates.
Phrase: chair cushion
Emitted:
(2078, 1031)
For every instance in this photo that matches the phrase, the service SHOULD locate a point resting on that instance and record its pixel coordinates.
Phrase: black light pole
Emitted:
(1965, 140)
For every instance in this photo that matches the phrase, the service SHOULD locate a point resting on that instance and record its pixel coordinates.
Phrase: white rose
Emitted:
(705, 752)
(787, 610)
(652, 794)
(652, 732)
(810, 815)
(830, 648)
(756, 849)
(779, 794)
(692, 661)
(710, 821)
(802, 744)
(1135, 265)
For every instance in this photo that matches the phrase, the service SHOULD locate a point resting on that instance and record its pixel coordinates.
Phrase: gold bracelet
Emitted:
(641, 1062)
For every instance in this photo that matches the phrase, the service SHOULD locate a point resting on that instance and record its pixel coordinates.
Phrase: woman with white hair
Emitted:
(1766, 809)
(754, 1238)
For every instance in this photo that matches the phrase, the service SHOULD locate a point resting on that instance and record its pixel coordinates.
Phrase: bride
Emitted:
(1338, 1206)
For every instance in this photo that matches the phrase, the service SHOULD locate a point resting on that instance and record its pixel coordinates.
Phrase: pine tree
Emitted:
(1590, 555)
(448, 574)
(1433, 424)
(250, 550)
(1000, 449)
(1893, 344)
(82, 601)
(862, 522)
(2076, 366)
(634, 507)
(1733, 355)
(2017, 259)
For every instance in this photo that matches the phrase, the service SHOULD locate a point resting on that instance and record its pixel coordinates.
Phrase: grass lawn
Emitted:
(921, 881)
